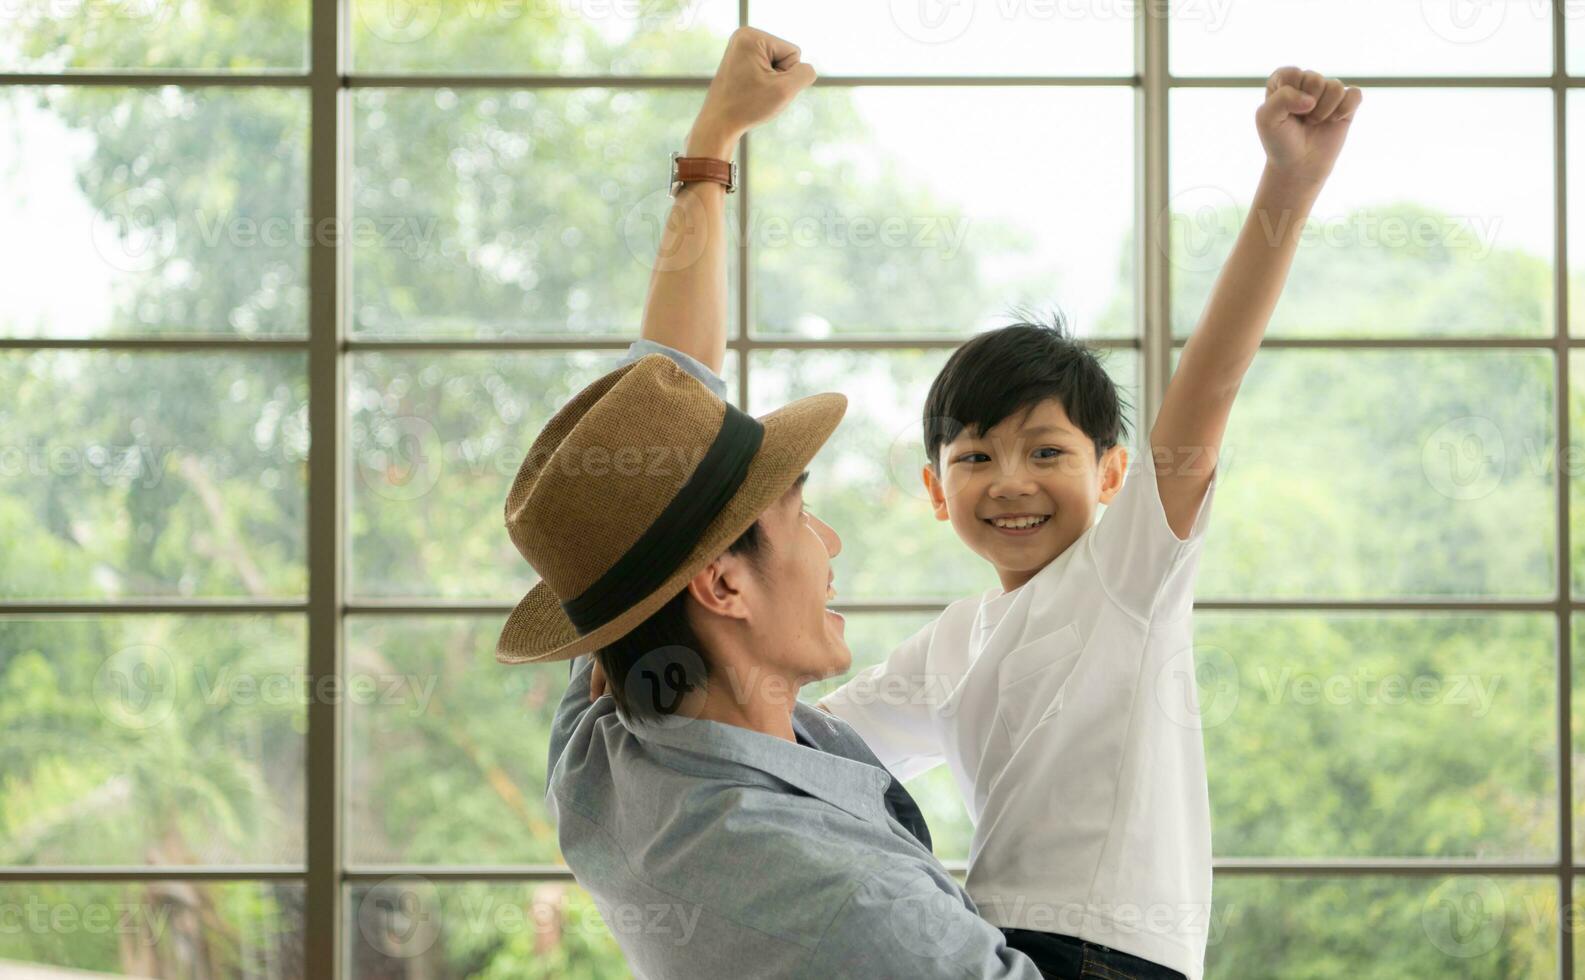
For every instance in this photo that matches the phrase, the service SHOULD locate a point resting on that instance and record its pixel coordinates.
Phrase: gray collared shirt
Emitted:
(718, 851)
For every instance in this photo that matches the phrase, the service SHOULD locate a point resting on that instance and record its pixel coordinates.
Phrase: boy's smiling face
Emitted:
(1035, 464)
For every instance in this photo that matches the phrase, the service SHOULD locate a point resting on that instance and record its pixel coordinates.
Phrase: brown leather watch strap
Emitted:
(686, 169)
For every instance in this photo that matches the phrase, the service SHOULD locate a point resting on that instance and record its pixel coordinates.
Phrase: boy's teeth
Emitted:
(1018, 522)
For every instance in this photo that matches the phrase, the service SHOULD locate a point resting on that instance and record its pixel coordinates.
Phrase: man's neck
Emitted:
(765, 704)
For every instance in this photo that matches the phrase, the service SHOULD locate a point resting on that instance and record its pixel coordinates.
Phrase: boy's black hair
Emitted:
(1009, 370)
(670, 650)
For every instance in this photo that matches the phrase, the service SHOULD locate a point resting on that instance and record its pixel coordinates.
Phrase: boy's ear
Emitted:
(1114, 466)
(938, 496)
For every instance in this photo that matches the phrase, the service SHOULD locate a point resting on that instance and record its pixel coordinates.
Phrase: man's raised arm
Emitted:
(686, 307)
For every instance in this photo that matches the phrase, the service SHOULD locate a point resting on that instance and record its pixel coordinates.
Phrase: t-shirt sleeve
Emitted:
(694, 366)
(892, 705)
(1145, 567)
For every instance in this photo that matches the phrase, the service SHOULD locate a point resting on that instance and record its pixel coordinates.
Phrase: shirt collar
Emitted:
(851, 785)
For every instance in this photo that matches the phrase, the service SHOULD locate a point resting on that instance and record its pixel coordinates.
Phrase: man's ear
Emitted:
(1114, 466)
(718, 587)
(938, 496)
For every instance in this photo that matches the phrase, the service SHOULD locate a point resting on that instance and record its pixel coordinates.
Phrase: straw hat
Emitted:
(641, 480)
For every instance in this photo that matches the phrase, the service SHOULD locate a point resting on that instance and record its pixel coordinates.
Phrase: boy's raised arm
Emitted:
(686, 307)
(1302, 124)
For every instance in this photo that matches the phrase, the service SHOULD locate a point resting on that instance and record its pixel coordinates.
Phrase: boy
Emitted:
(1063, 701)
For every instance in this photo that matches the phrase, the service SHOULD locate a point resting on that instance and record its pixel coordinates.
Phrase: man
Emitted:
(723, 828)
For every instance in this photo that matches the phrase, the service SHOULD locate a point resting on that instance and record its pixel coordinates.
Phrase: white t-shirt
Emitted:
(1068, 714)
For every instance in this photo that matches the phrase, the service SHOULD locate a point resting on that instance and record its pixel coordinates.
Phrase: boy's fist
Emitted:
(1304, 121)
(758, 75)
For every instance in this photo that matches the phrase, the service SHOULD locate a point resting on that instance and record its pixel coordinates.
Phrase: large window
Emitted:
(290, 287)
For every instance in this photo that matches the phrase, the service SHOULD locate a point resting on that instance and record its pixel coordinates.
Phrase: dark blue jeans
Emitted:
(1067, 958)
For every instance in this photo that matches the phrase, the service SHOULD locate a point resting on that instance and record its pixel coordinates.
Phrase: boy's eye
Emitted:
(1054, 451)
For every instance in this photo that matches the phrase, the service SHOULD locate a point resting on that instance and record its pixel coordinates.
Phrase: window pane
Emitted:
(1576, 205)
(534, 930)
(1388, 735)
(152, 740)
(914, 37)
(872, 637)
(434, 441)
(1423, 228)
(55, 35)
(511, 213)
(1577, 725)
(437, 769)
(167, 928)
(866, 482)
(875, 210)
(1573, 464)
(152, 474)
(1474, 926)
(1362, 37)
(541, 37)
(165, 210)
(1363, 474)
(1575, 32)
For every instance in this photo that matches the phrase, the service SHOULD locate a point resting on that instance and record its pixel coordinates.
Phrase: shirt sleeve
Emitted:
(903, 922)
(694, 366)
(1145, 567)
(892, 706)
(574, 703)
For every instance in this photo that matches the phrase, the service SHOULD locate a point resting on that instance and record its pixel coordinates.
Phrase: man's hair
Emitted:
(673, 660)
(1010, 370)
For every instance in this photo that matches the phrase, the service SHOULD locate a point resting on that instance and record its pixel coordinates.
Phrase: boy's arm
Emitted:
(893, 705)
(686, 306)
(1302, 124)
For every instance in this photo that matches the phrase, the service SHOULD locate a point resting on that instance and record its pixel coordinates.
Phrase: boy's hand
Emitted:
(1304, 121)
(758, 76)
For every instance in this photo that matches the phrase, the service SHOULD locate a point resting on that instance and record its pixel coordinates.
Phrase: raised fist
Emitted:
(758, 76)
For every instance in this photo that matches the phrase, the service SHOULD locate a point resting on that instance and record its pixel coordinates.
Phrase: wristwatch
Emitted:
(685, 169)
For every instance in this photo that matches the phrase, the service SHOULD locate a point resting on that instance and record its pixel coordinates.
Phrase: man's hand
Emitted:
(686, 307)
(758, 76)
(1304, 121)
